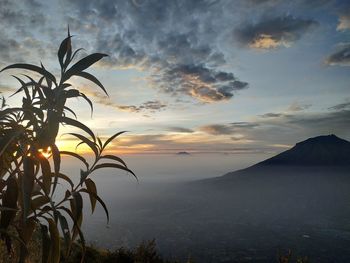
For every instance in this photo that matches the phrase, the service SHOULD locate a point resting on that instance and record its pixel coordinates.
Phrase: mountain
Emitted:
(328, 150)
(183, 153)
(319, 156)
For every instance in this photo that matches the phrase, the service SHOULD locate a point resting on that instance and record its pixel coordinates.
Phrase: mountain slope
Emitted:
(328, 150)
(322, 155)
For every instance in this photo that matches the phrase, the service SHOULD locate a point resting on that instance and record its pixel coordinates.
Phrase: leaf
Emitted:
(91, 187)
(93, 79)
(113, 165)
(46, 170)
(64, 177)
(77, 208)
(79, 125)
(7, 140)
(81, 158)
(63, 49)
(112, 138)
(83, 176)
(72, 93)
(85, 140)
(39, 202)
(99, 143)
(23, 87)
(99, 200)
(55, 241)
(75, 227)
(71, 111)
(88, 101)
(57, 164)
(32, 68)
(83, 64)
(113, 157)
(9, 199)
(27, 184)
(46, 244)
(65, 230)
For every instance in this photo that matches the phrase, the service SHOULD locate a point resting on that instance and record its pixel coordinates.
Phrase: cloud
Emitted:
(272, 115)
(217, 129)
(177, 43)
(180, 130)
(285, 129)
(296, 106)
(148, 106)
(243, 124)
(341, 106)
(234, 128)
(341, 57)
(344, 18)
(199, 81)
(272, 33)
(5, 89)
(344, 22)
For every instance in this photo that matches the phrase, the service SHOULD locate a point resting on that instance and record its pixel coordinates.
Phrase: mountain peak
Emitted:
(324, 139)
(326, 150)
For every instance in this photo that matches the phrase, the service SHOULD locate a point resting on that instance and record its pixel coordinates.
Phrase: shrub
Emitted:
(30, 161)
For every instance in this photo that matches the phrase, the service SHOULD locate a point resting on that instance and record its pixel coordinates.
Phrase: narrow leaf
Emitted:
(83, 64)
(55, 241)
(73, 154)
(93, 79)
(27, 184)
(32, 68)
(112, 138)
(79, 125)
(91, 187)
(113, 165)
(99, 200)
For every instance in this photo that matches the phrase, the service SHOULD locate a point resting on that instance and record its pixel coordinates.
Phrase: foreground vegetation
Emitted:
(30, 161)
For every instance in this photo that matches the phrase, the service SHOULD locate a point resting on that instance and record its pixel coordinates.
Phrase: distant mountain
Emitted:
(328, 150)
(321, 155)
(298, 199)
(183, 153)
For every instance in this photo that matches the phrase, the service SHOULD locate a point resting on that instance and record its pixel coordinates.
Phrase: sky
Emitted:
(202, 76)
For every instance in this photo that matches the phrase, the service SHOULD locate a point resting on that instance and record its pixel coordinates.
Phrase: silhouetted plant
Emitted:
(30, 161)
(146, 252)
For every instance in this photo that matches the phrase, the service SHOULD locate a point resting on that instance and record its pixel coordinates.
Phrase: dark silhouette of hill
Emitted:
(321, 155)
(328, 150)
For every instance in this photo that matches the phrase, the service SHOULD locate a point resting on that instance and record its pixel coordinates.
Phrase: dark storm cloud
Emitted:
(176, 41)
(341, 57)
(272, 33)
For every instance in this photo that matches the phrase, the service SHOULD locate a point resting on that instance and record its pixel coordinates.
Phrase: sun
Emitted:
(46, 152)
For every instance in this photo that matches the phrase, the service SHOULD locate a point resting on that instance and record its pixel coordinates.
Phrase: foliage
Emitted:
(146, 252)
(30, 161)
